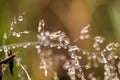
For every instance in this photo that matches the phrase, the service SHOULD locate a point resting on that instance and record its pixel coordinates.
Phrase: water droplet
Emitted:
(14, 34)
(13, 47)
(87, 66)
(79, 57)
(81, 37)
(99, 39)
(39, 51)
(0, 50)
(25, 46)
(20, 18)
(37, 46)
(46, 72)
(73, 55)
(47, 33)
(71, 71)
(85, 29)
(84, 36)
(18, 60)
(66, 42)
(67, 65)
(51, 45)
(41, 25)
(42, 64)
(96, 46)
(106, 67)
(73, 48)
(26, 32)
(110, 46)
(39, 28)
(58, 47)
(14, 21)
(5, 36)
(11, 28)
(115, 57)
(94, 56)
(18, 34)
(104, 60)
(79, 75)
(76, 62)
(95, 65)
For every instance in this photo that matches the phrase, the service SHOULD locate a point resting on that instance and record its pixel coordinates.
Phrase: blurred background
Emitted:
(69, 16)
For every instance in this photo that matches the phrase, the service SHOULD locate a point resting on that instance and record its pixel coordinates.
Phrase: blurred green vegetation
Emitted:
(66, 15)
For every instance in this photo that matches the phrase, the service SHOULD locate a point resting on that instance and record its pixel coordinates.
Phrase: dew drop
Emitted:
(79, 75)
(14, 34)
(0, 50)
(18, 60)
(99, 39)
(110, 46)
(13, 47)
(26, 32)
(46, 72)
(39, 28)
(20, 18)
(5, 36)
(87, 66)
(71, 71)
(11, 28)
(25, 46)
(115, 57)
(81, 37)
(42, 65)
(58, 47)
(104, 60)
(18, 34)
(94, 56)
(41, 25)
(106, 67)
(14, 21)
(73, 48)
(39, 51)
(66, 65)
(79, 57)
(47, 33)
(51, 45)
(75, 61)
(96, 46)
(37, 46)
(85, 29)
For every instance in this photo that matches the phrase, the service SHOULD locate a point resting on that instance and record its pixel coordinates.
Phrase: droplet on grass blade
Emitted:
(11, 28)
(37, 46)
(85, 29)
(13, 47)
(66, 65)
(14, 21)
(14, 34)
(5, 36)
(18, 34)
(73, 48)
(87, 66)
(20, 18)
(96, 46)
(41, 25)
(26, 32)
(0, 50)
(71, 71)
(99, 39)
(25, 46)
